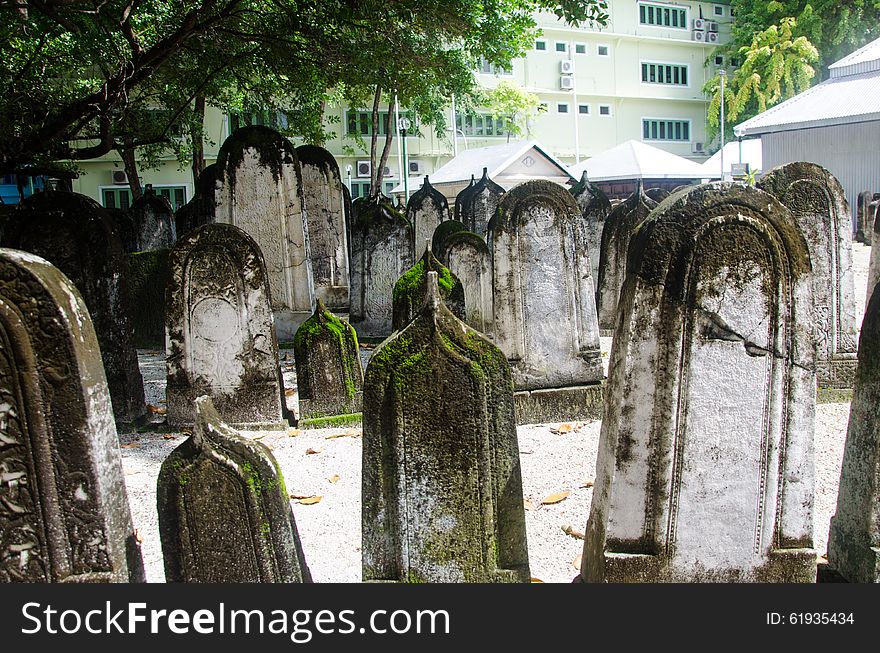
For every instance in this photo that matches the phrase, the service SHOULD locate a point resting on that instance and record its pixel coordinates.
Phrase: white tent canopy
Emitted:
(750, 153)
(636, 160)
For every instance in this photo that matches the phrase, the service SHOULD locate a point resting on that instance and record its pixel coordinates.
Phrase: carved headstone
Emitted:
(479, 204)
(442, 488)
(618, 228)
(124, 224)
(595, 207)
(461, 199)
(200, 209)
(325, 210)
(224, 513)
(64, 513)
(146, 275)
(77, 236)
(874, 262)
(854, 537)
(864, 218)
(705, 469)
(468, 258)
(153, 220)
(259, 189)
(329, 377)
(545, 316)
(381, 252)
(219, 335)
(427, 208)
(411, 290)
(442, 234)
(818, 203)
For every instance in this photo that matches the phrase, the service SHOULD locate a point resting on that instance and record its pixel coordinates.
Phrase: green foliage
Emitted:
(516, 106)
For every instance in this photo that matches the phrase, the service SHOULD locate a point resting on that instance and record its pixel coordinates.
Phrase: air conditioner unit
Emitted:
(386, 172)
(119, 177)
(699, 35)
(712, 37)
(700, 23)
(566, 83)
(363, 169)
(713, 27)
(566, 66)
(697, 147)
(416, 167)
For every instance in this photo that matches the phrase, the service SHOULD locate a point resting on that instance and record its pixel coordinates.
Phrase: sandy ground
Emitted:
(552, 462)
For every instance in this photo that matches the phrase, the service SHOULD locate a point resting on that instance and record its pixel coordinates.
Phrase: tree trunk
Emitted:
(386, 149)
(197, 138)
(130, 164)
(374, 171)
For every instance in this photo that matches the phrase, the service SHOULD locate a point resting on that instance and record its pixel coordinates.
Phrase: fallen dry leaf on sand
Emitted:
(350, 433)
(554, 498)
(334, 478)
(568, 530)
(130, 445)
(586, 484)
(528, 505)
(576, 563)
(311, 451)
(156, 410)
(307, 501)
(535, 580)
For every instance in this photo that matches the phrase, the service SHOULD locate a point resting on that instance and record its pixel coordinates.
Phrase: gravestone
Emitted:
(442, 233)
(329, 377)
(657, 194)
(146, 275)
(124, 225)
(468, 258)
(874, 261)
(480, 203)
(864, 218)
(64, 513)
(77, 236)
(545, 317)
(412, 288)
(325, 210)
(219, 335)
(427, 208)
(153, 220)
(259, 189)
(618, 228)
(462, 198)
(442, 488)
(818, 203)
(381, 252)
(595, 207)
(224, 513)
(200, 209)
(705, 468)
(854, 537)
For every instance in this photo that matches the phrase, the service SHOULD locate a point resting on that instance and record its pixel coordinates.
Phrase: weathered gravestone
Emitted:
(325, 210)
(200, 209)
(442, 488)
(77, 236)
(618, 228)
(657, 194)
(461, 199)
(595, 207)
(854, 537)
(329, 377)
(468, 258)
(381, 252)
(412, 289)
(426, 209)
(146, 275)
(705, 466)
(153, 220)
(124, 225)
(545, 317)
(864, 218)
(259, 189)
(219, 335)
(442, 234)
(64, 514)
(224, 513)
(818, 203)
(874, 262)
(479, 204)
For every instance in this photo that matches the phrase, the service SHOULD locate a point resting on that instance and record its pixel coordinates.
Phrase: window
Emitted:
(561, 46)
(116, 198)
(360, 123)
(540, 45)
(491, 69)
(719, 11)
(584, 109)
(480, 124)
(174, 194)
(362, 188)
(562, 107)
(719, 60)
(660, 129)
(662, 16)
(604, 109)
(580, 48)
(273, 119)
(664, 73)
(602, 50)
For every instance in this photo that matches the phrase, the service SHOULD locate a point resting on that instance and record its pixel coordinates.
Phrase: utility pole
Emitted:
(723, 74)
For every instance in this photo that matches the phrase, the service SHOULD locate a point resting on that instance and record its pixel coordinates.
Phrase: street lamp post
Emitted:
(722, 74)
(404, 124)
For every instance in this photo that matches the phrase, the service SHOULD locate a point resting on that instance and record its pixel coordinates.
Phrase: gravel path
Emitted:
(552, 462)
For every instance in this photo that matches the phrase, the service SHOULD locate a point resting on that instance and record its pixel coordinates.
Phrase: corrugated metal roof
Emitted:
(863, 60)
(636, 160)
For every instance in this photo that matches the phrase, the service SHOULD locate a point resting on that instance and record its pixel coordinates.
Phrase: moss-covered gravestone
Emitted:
(595, 207)
(616, 232)
(76, 235)
(224, 513)
(220, 340)
(705, 469)
(259, 189)
(325, 210)
(480, 203)
(64, 514)
(469, 260)
(381, 251)
(426, 209)
(442, 489)
(462, 198)
(153, 220)
(200, 209)
(412, 288)
(818, 203)
(441, 234)
(329, 377)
